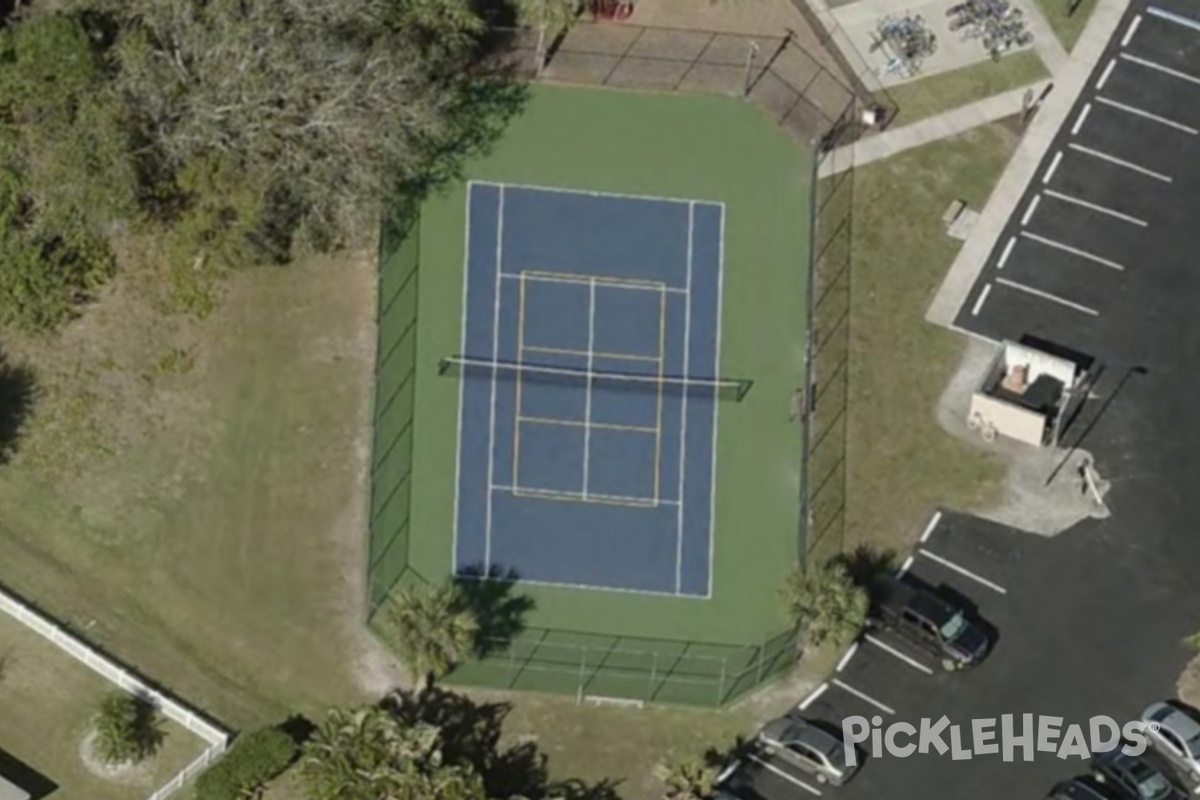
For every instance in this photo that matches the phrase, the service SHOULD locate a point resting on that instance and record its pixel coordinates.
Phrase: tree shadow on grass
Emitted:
(500, 612)
(18, 389)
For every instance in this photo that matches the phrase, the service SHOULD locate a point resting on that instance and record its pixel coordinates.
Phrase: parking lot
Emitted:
(1098, 249)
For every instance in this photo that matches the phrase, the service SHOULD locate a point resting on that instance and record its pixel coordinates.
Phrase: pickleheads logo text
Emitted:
(1006, 737)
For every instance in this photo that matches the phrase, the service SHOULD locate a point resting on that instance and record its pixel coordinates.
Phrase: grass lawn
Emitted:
(948, 90)
(900, 463)
(189, 493)
(47, 701)
(1067, 24)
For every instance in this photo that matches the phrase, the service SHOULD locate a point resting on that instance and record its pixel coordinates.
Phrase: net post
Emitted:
(653, 674)
(758, 669)
(512, 663)
(582, 673)
(721, 681)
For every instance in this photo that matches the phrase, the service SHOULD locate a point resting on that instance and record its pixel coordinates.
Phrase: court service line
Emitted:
(1120, 162)
(1053, 166)
(1008, 248)
(1066, 198)
(491, 472)
(593, 497)
(861, 695)
(945, 562)
(1033, 204)
(1020, 287)
(574, 423)
(1104, 76)
(462, 385)
(587, 389)
(981, 300)
(585, 280)
(1087, 109)
(907, 659)
(566, 351)
(1075, 251)
(712, 498)
(787, 776)
(1179, 126)
(1171, 16)
(1165, 70)
(1131, 30)
(687, 349)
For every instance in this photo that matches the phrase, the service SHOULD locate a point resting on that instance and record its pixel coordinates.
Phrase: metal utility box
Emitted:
(1026, 394)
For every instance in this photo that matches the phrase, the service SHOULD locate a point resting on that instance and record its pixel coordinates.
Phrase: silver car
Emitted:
(800, 744)
(1175, 734)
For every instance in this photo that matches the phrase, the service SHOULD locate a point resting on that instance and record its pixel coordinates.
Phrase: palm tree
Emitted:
(128, 729)
(824, 603)
(435, 629)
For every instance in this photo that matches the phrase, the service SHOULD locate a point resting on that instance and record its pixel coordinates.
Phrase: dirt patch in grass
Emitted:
(900, 463)
(191, 491)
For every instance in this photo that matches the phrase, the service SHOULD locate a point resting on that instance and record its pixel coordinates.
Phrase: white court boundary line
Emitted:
(587, 389)
(912, 662)
(533, 187)
(861, 695)
(1075, 251)
(491, 471)
(462, 385)
(1020, 287)
(1120, 162)
(712, 500)
(1165, 70)
(1147, 115)
(1066, 198)
(966, 573)
(687, 351)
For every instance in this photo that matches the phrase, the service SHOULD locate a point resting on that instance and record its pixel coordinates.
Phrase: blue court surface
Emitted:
(588, 409)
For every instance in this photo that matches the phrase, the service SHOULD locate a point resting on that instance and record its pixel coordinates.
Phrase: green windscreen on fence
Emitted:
(395, 383)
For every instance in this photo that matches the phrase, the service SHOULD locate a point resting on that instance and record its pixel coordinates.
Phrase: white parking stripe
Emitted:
(1179, 126)
(1120, 162)
(812, 696)
(1087, 108)
(912, 662)
(1053, 166)
(980, 301)
(1174, 73)
(1020, 287)
(1132, 29)
(945, 562)
(1007, 252)
(1066, 248)
(1066, 198)
(1178, 19)
(1104, 77)
(786, 776)
(864, 697)
(1033, 204)
(933, 523)
(908, 562)
(841, 665)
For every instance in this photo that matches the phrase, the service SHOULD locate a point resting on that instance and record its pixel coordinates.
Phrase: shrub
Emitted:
(253, 761)
(128, 729)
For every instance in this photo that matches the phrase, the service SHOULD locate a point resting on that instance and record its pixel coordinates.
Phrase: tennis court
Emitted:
(590, 389)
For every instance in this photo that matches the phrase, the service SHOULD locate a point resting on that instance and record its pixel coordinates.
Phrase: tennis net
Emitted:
(733, 389)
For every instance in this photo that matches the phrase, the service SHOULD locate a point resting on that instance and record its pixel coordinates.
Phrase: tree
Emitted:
(824, 603)
(688, 778)
(367, 754)
(128, 729)
(435, 628)
(550, 18)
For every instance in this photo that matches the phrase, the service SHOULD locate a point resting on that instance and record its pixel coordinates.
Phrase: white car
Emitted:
(1175, 734)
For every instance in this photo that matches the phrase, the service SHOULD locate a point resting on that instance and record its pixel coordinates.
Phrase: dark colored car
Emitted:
(930, 621)
(1134, 776)
(1077, 789)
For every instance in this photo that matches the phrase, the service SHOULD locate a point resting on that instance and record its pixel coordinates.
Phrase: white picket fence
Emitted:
(217, 738)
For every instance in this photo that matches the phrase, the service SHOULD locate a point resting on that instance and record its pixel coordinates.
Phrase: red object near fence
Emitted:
(616, 10)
